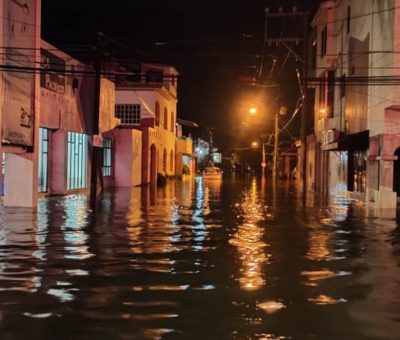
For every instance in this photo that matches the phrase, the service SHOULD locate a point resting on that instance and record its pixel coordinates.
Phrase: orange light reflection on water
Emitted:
(249, 240)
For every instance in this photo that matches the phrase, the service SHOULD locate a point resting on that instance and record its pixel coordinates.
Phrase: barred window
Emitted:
(165, 118)
(107, 156)
(43, 171)
(128, 113)
(77, 160)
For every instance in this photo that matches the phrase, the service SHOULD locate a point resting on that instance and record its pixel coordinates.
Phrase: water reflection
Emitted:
(192, 260)
(249, 238)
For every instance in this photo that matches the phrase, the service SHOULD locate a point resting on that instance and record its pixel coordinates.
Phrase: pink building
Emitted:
(20, 103)
(58, 161)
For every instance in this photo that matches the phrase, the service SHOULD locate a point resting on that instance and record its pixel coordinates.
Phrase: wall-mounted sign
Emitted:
(19, 40)
(52, 76)
(98, 141)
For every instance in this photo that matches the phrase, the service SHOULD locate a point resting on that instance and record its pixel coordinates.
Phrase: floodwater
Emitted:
(194, 260)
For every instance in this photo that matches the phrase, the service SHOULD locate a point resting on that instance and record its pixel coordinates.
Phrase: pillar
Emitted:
(20, 181)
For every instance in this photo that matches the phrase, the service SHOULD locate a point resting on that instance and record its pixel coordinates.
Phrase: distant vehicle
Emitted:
(212, 172)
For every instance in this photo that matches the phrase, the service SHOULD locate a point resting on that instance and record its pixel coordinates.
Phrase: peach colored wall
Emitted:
(127, 157)
(18, 186)
(58, 161)
(107, 120)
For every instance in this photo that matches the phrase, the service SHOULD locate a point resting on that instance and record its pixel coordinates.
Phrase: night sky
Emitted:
(216, 45)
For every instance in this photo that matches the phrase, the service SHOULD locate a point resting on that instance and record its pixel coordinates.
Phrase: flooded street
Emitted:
(217, 260)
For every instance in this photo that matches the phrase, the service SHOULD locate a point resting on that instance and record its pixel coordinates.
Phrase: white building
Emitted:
(355, 57)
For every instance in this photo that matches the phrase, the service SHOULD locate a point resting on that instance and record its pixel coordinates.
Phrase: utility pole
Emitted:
(276, 146)
(285, 40)
(263, 164)
(303, 129)
(263, 160)
(95, 151)
(282, 112)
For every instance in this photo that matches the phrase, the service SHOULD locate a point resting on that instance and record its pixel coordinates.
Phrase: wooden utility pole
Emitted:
(276, 148)
(286, 40)
(303, 128)
(95, 150)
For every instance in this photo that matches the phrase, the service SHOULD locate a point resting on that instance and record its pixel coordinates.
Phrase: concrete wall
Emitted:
(127, 157)
(21, 163)
(107, 120)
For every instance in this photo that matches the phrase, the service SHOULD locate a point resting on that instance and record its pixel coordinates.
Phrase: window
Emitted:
(314, 55)
(165, 118)
(128, 113)
(157, 112)
(359, 171)
(172, 121)
(331, 92)
(171, 161)
(107, 156)
(43, 165)
(324, 36)
(77, 160)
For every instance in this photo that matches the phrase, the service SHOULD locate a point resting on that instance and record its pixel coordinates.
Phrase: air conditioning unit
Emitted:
(332, 135)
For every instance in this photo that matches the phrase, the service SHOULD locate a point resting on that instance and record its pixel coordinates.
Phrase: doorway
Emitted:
(396, 173)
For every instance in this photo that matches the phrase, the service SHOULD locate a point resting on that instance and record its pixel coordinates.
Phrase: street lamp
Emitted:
(263, 162)
(252, 111)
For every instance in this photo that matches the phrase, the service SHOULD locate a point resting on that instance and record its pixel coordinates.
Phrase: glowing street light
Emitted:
(252, 111)
(254, 144)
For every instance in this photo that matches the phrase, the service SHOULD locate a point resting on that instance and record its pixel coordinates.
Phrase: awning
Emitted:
(356, 142)
(186, 122)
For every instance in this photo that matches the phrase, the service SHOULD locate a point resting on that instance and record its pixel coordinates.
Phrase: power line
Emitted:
(359, 16)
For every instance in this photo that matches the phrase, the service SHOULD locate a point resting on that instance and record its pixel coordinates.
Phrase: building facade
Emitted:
(355, 60)
(65, 134)
(146, 101)
(48, 117)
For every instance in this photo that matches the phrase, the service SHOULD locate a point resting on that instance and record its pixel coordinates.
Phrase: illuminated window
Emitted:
(77, 160)
(165, 118)
(128, 113)
(107, 156)
(157, 112)
(43, 165)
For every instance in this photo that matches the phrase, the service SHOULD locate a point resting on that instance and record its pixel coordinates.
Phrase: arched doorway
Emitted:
(396, 173)
(153, 165)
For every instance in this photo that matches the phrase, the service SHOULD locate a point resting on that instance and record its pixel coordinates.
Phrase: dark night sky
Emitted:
(212, 43)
